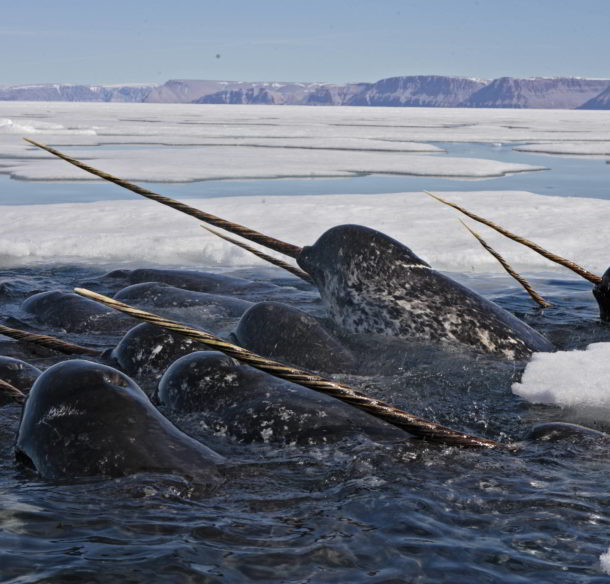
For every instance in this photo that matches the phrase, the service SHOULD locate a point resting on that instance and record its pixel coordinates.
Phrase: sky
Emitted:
(131, 41)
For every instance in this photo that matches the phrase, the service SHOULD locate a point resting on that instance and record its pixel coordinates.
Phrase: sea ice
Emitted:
(143, 231)
(251, 141)
(593, 149)
(571, 379)
(218, 162)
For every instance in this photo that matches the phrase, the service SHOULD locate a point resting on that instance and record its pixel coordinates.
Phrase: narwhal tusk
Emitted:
(276, 262)
(404, 420)
(11, 391)
(526, 285)
(593, 278)
(275, 244)
(48, 341)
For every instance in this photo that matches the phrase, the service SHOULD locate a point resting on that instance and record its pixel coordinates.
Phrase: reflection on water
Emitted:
(564, 177)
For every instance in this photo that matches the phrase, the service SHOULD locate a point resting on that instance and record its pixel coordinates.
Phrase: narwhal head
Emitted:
(601, 291)
(354, 252)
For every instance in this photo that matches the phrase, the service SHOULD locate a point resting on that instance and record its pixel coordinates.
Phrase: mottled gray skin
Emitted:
(159, 295)
(374, 284)
(73, 313)
(556, 431)
(601, 291)
(84, 419)
(147, 350)
(289, 335)
(252, 406)
(18, 373)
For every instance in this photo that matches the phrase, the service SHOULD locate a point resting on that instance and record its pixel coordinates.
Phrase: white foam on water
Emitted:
(592, 149)
(604, 560)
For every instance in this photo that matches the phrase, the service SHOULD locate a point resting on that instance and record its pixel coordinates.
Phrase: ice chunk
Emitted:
(573, 379)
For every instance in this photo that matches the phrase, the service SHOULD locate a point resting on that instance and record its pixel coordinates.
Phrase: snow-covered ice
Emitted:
(571, 379)
(593, 149)
(276, 141)
(604, 560)
(144, 231)
(213, 162)
(146, 142)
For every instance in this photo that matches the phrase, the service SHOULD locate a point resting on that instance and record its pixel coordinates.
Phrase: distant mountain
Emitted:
(264, 93)
(251, 95)
(601, 101)
(185, 90)
(407, 91)
(70, 92)
(536, 92)
(418, 91)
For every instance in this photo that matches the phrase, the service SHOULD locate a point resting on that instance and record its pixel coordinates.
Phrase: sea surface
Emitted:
(401, 511)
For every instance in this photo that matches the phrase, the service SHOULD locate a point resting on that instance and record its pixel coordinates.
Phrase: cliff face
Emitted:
(418, 91)
(601, 101)
(282, 93)
(69, 92)
(252, 95)
(410, 91)
(185, 90)
(424, 91)
(539, 92)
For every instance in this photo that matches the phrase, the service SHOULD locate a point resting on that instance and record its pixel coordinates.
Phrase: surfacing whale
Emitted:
(375, 284)
(86, 419)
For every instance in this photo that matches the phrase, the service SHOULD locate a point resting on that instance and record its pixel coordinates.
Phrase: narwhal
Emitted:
(373, 284)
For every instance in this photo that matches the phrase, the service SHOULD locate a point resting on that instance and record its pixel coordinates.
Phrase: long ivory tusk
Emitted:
(404, 420)
(526, 285)
(276, 262)
(286, 248)
(593, 278)
(49, 342)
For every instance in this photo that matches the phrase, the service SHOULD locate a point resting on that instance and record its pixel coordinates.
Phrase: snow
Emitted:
(146, 142)
(11, 127)
(193, 164)
(598, 148)
(144, 231)
(571, 379)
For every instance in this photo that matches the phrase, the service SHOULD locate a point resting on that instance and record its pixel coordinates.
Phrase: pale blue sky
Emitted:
(120, 41)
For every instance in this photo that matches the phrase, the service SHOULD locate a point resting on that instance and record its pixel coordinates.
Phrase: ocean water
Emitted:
(358, 510)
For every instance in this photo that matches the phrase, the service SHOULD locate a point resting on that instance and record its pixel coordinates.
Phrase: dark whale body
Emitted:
(189, 280)
(375, 284)
(253, 406)
(73, 313)
(556, 431)
(18, 373)
(159, 295)
(85, 419)
(601, 291)
(289, 335)
(147, 350)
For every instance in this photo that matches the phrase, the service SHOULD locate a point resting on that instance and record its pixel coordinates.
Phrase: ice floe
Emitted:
(597, 148)
(144, 231)
(572, 379)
